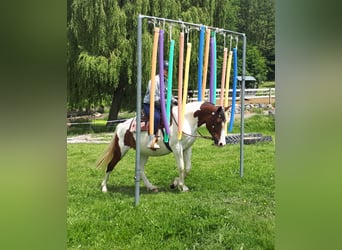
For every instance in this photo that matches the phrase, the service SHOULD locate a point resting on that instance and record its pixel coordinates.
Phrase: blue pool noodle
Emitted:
(231, 122)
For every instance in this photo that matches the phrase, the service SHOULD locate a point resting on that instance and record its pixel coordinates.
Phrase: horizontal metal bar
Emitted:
(192, 24)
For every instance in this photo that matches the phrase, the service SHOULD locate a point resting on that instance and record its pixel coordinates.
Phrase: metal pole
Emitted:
(242, 94)
(137, 139)
(139, 77)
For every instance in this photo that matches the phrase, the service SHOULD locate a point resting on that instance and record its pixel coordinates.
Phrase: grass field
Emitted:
(221, 210)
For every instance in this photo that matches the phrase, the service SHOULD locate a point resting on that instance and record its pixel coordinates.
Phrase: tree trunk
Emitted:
(116, 102)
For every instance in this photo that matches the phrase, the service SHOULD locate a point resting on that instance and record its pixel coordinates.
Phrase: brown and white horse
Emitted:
(195, 115)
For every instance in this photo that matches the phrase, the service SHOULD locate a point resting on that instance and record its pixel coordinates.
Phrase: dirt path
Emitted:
(90, 138)
(259, 100)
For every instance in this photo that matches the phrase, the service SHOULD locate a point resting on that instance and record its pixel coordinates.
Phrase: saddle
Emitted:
(145, 123)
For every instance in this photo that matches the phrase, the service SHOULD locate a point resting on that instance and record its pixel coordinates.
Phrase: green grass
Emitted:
(221, 210)
(267, 85)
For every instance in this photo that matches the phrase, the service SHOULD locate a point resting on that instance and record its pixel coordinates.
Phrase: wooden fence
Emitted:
(249, 94)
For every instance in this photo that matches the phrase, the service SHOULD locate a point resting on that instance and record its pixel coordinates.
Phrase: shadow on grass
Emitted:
(129, 191)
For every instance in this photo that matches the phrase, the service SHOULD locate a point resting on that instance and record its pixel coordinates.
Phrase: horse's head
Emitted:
(214, 119)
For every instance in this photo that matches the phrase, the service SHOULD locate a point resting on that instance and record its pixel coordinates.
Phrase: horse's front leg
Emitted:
(179, 181)
(187, 160)
(148, 184)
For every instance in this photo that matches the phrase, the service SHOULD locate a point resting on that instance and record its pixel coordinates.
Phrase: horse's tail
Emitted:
(108, 154)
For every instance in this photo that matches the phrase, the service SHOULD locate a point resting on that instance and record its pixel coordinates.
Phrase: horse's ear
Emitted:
(220, 112)
(219, 109)
(226, 108)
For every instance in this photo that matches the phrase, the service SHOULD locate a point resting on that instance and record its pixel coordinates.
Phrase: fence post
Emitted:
(269, 96)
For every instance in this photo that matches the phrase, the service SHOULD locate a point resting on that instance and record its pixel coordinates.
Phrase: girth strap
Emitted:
(166, 143)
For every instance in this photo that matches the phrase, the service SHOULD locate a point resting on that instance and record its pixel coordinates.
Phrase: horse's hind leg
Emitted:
(116, 158)
(148, 184)
(104, 182)
(110, 168)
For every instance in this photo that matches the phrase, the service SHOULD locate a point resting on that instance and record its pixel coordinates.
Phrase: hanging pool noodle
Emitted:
(153, 81)
(186, 77)
(169, 89)
(206, 59)
(223, 77)
(227, 89)
(234, 90)
(211, 92)
(180, 84)
(215, 68)
(161, 81)
(200, 63)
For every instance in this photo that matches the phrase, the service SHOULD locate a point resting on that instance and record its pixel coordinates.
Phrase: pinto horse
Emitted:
(195, 115)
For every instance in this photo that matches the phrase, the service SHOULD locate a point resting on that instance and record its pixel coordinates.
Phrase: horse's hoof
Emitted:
(175, 183)
(104, 189)
(184, 189)
(153, 189)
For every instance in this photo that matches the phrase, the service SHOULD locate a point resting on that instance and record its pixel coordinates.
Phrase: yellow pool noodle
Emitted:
(186, 78)
(227, 88)
(180, 84)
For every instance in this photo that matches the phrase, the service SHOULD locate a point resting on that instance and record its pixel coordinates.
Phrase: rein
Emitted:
(199, 136)
(195, 136)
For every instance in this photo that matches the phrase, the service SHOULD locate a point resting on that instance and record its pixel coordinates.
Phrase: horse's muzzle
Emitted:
(217, 143)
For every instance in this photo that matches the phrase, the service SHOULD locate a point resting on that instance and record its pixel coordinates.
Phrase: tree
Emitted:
(98, 52)
(102, 43)
(256, 20)
(256, 64)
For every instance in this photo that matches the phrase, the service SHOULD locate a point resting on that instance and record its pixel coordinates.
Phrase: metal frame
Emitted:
(139, 77)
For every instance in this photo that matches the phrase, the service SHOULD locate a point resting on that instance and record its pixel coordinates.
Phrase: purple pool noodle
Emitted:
(211, 93)
(200, 63)
(162, 84)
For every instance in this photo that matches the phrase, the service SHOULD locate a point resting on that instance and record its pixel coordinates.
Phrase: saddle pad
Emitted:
(143, 126)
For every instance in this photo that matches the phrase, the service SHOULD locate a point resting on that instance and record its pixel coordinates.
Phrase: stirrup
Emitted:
(153, 143)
